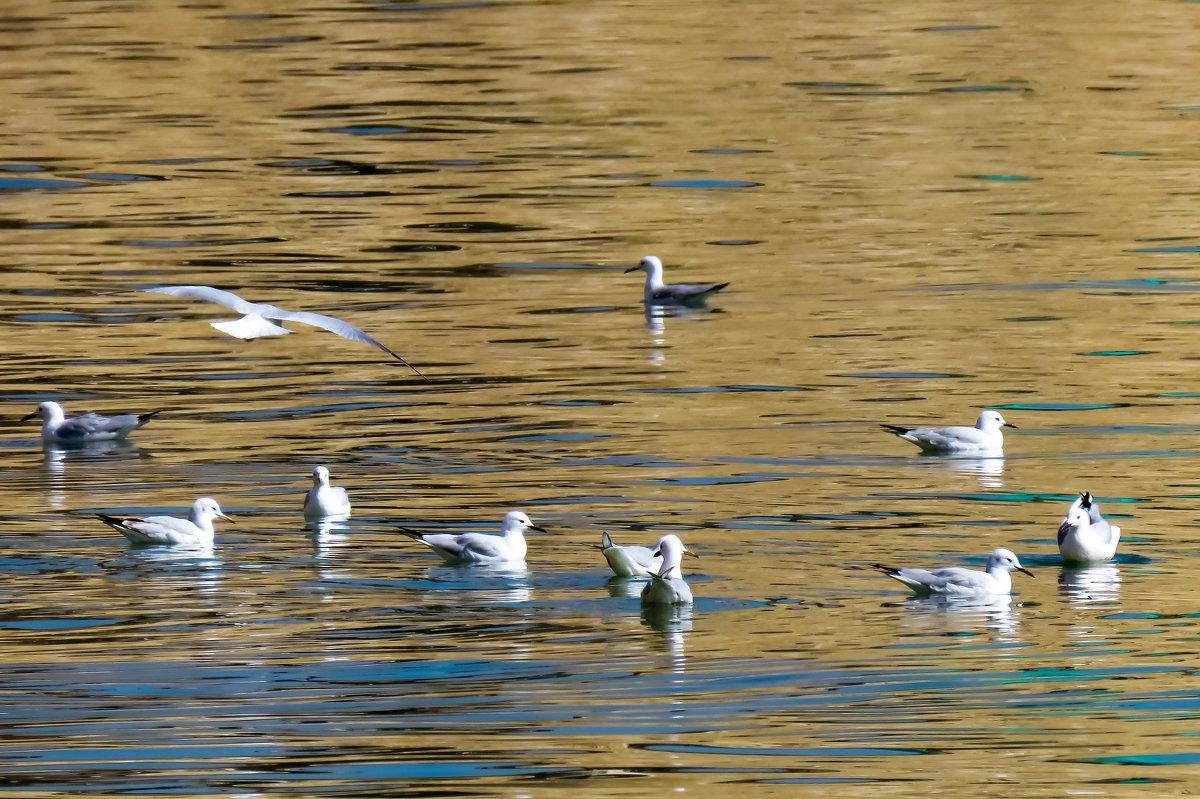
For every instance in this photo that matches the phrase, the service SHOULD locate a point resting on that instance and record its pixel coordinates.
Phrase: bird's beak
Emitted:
(1010, 424)
(539, 529)
(29, 416)
(633, 269)
(226, 518)
(1023, 569)
(690, 552)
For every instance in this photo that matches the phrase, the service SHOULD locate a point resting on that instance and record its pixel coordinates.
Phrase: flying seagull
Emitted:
(660, 293)
(256, 322)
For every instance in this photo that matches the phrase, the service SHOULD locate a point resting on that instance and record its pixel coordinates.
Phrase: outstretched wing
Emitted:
(334, 325)
(226, 298)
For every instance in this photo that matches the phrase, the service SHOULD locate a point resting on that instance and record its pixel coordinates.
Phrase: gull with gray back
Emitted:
(957, 581)
(507, 548)
(985, 437)
(196, 530)
(659, 293)
(58, 429)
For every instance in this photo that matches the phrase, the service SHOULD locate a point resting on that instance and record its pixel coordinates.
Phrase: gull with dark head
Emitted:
(507, 548)
(985, 437)
(324, 500)
(196, 530)
(58, 429)
(957, 581)
(659, 293)
(256, 321)
(667, 586)
(1084, 535)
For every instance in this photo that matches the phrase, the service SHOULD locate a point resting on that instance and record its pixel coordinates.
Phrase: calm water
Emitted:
(923, 209)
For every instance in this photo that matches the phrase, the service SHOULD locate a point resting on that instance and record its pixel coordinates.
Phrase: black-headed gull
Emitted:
(195, 530)
(667, 586)
(957, 581)
(57, 428)
(508, 547)
(660, 293)
(256, 322)
(984, 437)
(323, 500)
(1084, 535)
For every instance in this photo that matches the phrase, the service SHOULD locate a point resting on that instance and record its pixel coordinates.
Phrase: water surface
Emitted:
(922, 212)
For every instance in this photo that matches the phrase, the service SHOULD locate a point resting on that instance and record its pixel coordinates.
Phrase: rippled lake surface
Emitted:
(923, 210)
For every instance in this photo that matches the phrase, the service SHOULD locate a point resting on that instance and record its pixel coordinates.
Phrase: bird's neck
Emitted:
(654, 279)
(1002, 576)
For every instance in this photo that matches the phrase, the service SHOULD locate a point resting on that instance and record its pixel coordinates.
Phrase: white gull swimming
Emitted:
(323, 499)
(508, 547)
(256, 321)
(197, 529)
(57, 428)
(1084, 535)
(957, 581)
(667, 587)
(985, 437)
(659, 293)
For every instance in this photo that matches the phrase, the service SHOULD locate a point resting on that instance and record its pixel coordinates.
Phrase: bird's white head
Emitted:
(320, 476)
(1077, 518)
(49, 410)
(992, 420)
(649, 264)
(207, 508)
(1005, 559)
(516, 521)
(672, 551)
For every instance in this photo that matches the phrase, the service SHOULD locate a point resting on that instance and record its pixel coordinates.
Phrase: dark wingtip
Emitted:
(1085, 499)
(1063, 529)
(410, 366)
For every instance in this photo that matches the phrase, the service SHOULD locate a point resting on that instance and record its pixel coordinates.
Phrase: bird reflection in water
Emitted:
(481, 585)
(656, 325)
(329, 541)
(958, 615)
(1090, 585)
(987, 471)
(674, 622)
(55, 459)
